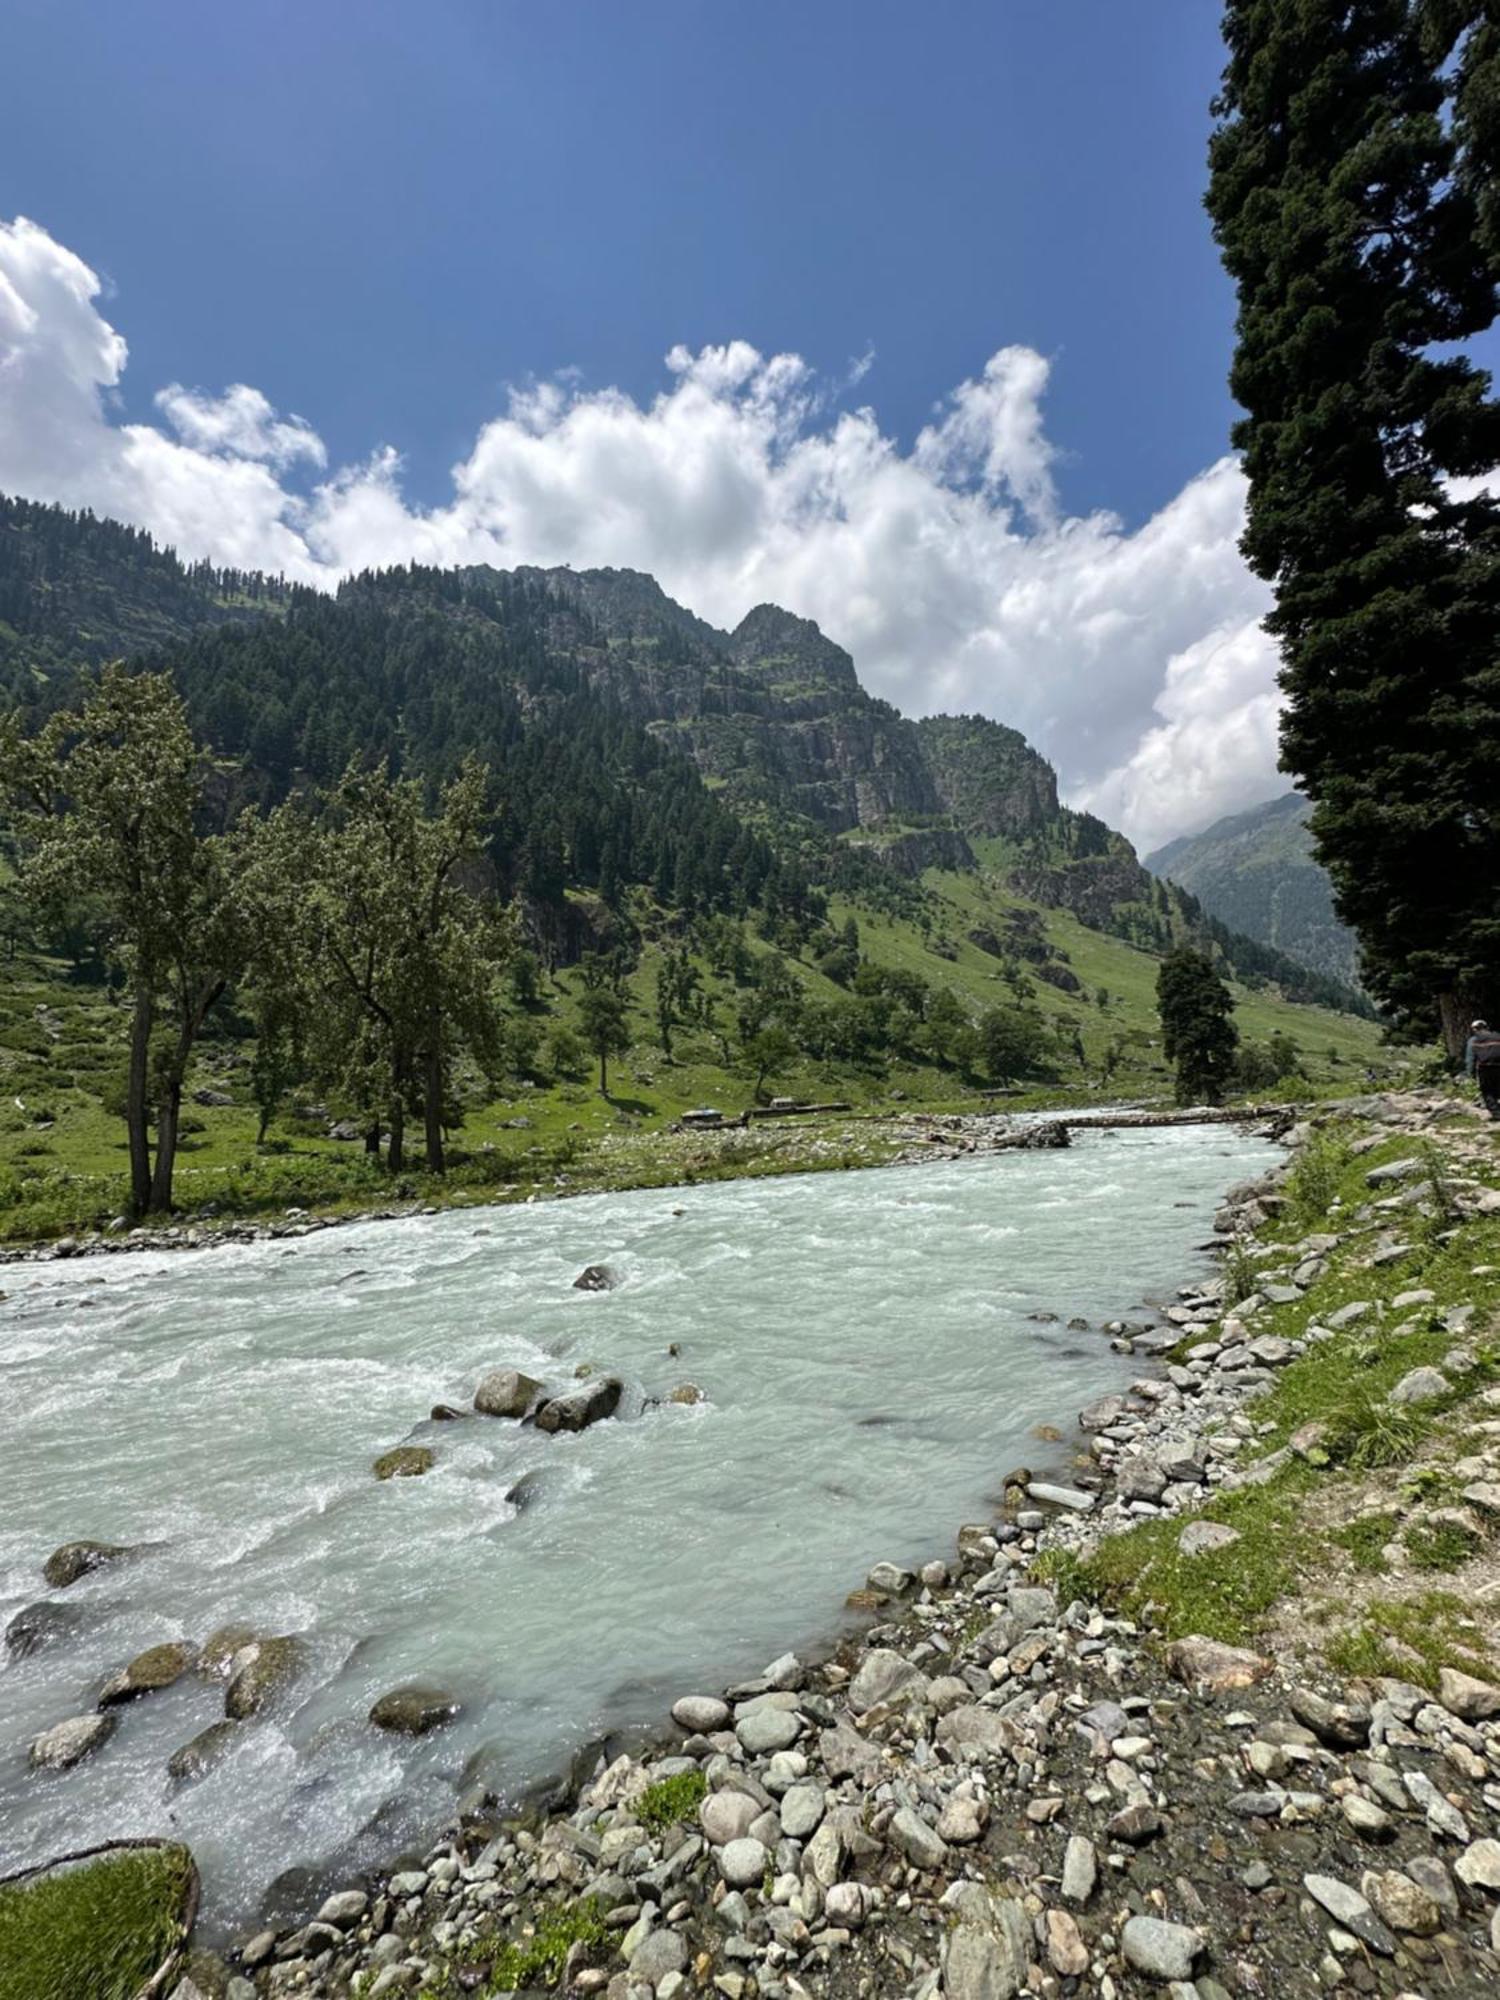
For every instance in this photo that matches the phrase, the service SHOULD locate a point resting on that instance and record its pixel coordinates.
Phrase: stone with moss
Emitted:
(158, 1667)
(671, 1801)
(108, 1925)
(261, 1671)
(216, 1655)
(406, 1461)
(197, 1758)
(414, 1710)
(73, 1560)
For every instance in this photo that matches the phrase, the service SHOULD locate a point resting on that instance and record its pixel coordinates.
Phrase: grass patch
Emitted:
(671, 1800)
(100, 1928)
(1366, 1539)
(1412, 1640)
(532, 1960)
(1439, 1545)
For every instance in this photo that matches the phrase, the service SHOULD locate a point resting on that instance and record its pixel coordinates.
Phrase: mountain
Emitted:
(1257, 873)
(633, 744)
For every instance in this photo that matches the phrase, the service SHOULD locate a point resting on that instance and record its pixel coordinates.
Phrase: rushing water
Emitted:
(870, 1371)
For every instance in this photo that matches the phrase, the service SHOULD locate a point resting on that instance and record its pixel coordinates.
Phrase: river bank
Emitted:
(1025, 1777)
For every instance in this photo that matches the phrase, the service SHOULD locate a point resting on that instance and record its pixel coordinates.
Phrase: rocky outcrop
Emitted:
(506, 1392)
(581, 1407)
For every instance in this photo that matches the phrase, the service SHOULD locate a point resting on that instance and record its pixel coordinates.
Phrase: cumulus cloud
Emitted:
(1132, 657)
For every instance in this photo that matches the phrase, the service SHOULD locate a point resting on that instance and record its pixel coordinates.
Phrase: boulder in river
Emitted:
(596, 1278)
(38, 1625)
(406, 1461)
(579, 1408)
(158, 1667)
(216, 1658)
(197, 1758)
(260, 1672)
(505, 1392)
(75, 1559)
(68, 1743)
(414, 1710)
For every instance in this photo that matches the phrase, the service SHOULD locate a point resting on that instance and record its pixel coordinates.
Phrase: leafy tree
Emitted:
(767, 1052)
(405, 953)
(108, 801)
(606, 1028)
(525, 979)
(565, 1053)
(677, 985)
(1197, 1025)
(1353, 195)
(1012, 1041)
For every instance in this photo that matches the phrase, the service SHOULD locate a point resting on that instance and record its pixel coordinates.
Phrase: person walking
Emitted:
(1482, 1062)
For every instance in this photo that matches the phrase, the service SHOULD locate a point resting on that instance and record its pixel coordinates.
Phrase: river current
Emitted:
(869, 1368)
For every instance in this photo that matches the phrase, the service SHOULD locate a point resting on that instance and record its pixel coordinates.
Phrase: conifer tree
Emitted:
(1198, 1034)
(1353, 197)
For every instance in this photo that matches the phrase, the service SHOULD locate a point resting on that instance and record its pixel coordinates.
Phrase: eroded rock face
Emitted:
(259, 1673)
(506, 1392)
(414, 1710)
(77, 1559)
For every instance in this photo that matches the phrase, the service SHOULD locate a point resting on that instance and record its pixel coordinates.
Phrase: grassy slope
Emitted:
(62, 1155)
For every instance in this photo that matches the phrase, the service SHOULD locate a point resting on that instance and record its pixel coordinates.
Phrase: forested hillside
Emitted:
(725, 868)
(1256, 872)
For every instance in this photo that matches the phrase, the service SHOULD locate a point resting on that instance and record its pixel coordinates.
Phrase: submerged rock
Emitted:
(414, 1710)
(261, 1671)
(197, 1758)
(505, 1392)
(406, 1461)
(158, 1667)
(581, 1407)
(38, 1625)
(596, 1278)
(75, 1559)
(68, 1743)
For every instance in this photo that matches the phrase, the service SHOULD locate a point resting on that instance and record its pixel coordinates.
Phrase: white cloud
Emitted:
(1133, 658)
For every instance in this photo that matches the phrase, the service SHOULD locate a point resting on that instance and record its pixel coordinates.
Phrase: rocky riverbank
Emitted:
(1026, 1777)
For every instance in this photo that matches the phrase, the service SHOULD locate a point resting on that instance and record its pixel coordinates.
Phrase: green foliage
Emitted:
(100, 1928)
(533, 1960)
(671, 1800)
(1352, 197)
(1197, 1026)
(1315, 1179)
(1412, 1640)
(605, 1026)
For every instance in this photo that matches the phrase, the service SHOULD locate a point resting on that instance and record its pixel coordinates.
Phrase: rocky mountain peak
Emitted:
(784, 648)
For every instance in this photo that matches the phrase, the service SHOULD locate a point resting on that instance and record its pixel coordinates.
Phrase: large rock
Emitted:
(259, 1673)
(699, 1714)
(1400, 1902)
(743, 1863)
(1421, 1385)
(1141, 1478)
(414, 1710)
(883, 1676)
(1161, 1950)
(1202, 1538)
(922, 1845)
(505, 1392)
(596, 1278)
(726, 1816)
(1214, 1668)
(75, 1559)
(197, 1758)
(1464, 1696)
(1102, 1413)
(68, 1743)
(579, 1408)
(406, 1461)
(37, 1626)
(988, 1949)
(766, 1729)
(216, 1656)
(158, 1667)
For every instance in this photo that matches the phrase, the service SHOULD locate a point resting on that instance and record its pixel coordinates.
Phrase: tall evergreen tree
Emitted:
(1198, 1034)
(1352, 196)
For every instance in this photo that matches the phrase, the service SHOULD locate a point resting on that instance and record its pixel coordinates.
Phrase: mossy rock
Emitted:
(158, 1667)
(197, 1758)
(110, 1923)
(263, 1671)
(415, 1710)
(75, 1559)
(407, 1461)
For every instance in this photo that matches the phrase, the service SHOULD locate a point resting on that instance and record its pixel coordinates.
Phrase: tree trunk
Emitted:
(136, 1126)
(1457, 1011)
(167, 1115)
(395, 1156)
(603, 1073)
(432, 1108)
(372, 1138)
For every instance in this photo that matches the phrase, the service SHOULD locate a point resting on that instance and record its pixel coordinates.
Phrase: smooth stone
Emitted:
(767, 1729)
(1080, 1869)
(1479, 1865)
(1161, 1950)
(743, 1863)
(700, 1714)
(1348, 1907)
(882, 1675)
(726, 1816)
(68, 1743)
(78, 1559)
(662, 1953)
(1073, 1498)
(1421, 1385)
(344, 1909)
(802, 1809)
(890, 1579)
(962, 1821)
(1067, 1953)
(505, 1392)
(1201, 1538)
(1213, 1667)
(1470, 1699)
(414, 1710)
(1370, 1821)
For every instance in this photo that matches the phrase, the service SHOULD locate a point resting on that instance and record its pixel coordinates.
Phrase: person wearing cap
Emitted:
(1482, 1062)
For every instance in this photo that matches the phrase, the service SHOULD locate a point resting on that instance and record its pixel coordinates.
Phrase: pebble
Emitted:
(1080, 1869)
(700, 1714)
(1161, 1950)
(743, 1863)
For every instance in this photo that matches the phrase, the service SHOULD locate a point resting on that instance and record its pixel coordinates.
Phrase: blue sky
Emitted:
(380, 214)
